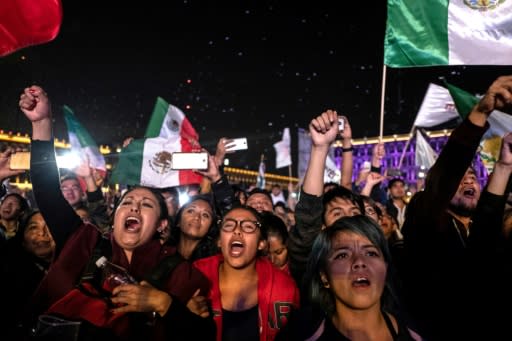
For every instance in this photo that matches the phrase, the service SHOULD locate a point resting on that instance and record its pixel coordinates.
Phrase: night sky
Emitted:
(247, 68)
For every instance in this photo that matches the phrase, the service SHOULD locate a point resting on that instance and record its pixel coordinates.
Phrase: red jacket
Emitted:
(277, 295)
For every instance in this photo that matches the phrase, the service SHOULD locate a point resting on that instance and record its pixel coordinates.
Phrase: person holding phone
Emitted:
(131, 311)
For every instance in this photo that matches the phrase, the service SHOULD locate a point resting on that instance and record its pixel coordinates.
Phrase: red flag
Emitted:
(28, 22)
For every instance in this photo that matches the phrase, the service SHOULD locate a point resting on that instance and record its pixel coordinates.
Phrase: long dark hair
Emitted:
(208, 245)
(159, 198)
(317, 262)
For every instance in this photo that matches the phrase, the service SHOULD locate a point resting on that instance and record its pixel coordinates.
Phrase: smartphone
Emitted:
(236, 144)
(189, 160)
(341, 124)
(366, 166)
(20, 160)
(394, 172)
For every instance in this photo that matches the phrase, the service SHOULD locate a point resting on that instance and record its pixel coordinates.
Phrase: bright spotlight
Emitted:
(69, 160)
(183, 198)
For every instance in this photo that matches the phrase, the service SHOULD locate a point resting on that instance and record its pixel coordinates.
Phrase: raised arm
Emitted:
(486, 229)
(60, 217)
(443, 178)
(323, 130)
(347, 166)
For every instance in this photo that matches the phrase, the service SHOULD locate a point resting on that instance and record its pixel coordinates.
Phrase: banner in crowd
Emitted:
(448, 32)
(332, 173)
(25, 23)
(148, 161)
(283, 150)
(82, 142)
(260, 180)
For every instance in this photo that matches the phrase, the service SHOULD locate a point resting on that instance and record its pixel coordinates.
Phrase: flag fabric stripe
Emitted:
(156, 163)
(424, 154)
(165, 120)
(416, 35)
(463, 100)
(84, 138)
(82, 142)
(27, 22)
(128, 168)
(444, 32)
(480, 36)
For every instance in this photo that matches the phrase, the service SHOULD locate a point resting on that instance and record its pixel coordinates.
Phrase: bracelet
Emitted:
(347, 150)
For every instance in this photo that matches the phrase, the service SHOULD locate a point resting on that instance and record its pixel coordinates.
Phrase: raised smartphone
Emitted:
(236, 144)
(197, 160)
(20, 160)
(341, 124)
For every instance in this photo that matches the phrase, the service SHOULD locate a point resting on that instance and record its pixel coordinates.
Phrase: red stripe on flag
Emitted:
(189, 143)
(28, 22)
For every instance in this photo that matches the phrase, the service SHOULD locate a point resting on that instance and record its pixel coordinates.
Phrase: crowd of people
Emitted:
(340, 261)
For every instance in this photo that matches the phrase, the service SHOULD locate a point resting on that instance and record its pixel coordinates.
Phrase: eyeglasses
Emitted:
(72, 188)
(247, 226)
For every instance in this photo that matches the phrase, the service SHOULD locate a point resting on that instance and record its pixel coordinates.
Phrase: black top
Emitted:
(331, 333)
(240, 325)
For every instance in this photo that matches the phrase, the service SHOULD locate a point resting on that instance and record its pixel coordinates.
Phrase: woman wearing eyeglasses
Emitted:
(250, 298)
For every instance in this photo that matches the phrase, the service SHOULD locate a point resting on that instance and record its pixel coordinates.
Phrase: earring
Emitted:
(326, 284)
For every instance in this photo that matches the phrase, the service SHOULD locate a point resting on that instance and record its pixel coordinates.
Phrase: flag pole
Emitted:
(290, 174)
(382, 101)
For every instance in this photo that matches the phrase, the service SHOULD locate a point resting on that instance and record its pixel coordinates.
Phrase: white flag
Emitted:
(425, 155)
(437, 107)
(283, 154)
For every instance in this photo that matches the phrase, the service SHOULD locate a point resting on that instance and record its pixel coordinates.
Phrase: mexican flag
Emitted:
(441, 105)
(448, 32)
(82, 143)
(499, 125)
(25, 23)
(148, 161)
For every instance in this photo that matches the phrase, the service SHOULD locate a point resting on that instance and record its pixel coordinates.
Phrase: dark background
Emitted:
(245, 68)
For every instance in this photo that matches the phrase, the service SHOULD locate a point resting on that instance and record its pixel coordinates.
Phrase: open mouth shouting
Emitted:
(132, 224)
(236, 248)
(469, 192)
(361, 282)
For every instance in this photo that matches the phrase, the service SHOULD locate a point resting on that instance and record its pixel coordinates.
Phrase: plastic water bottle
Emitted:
(113, 274)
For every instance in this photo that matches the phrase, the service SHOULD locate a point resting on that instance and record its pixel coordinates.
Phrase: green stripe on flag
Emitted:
(127, 170)
(75, 127)
(416, 33)
(463, 100)
(157, 118)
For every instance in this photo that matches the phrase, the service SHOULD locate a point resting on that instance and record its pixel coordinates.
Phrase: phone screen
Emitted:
(189, 161)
